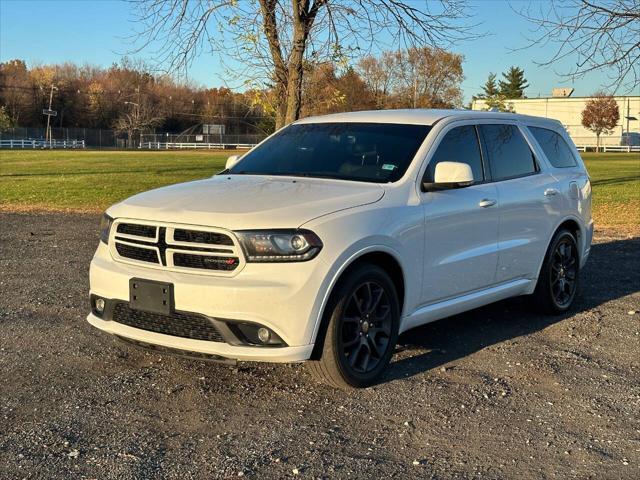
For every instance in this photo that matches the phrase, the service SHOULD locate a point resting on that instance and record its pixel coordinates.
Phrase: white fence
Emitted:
(193, 145)
(608, 148)
(41, 143)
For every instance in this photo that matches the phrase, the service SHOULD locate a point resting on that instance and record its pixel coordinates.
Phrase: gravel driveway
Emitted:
(495, 393)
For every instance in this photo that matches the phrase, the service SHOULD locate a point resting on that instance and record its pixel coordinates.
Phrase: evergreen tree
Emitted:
(514, 83)
(490, 88)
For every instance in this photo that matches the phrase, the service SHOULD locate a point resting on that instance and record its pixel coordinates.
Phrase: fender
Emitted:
(342, 265)
(580, 240)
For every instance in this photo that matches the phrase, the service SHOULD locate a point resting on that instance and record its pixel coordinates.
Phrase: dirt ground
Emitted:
(495, 393)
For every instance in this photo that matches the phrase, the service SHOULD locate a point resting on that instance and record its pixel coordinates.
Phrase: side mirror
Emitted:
(231, 161)
(450, 175)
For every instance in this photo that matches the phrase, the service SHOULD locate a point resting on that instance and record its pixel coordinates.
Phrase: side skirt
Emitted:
(446, 308)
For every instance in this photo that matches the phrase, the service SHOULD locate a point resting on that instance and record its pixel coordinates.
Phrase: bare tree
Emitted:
(272, 39)
(378, 74)
(600, 115)
(141, 117)
(430, 77)
(602, 35)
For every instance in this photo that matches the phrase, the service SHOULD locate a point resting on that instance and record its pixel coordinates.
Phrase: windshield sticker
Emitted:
(388, 166)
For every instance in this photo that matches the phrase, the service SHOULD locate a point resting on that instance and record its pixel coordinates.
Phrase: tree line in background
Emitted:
(124, 96)
(128, 98)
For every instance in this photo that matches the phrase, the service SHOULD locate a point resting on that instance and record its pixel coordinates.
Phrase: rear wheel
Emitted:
(363, 317)
(558, 281)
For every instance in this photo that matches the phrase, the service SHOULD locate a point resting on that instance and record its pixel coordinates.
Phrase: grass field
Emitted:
(93, 180)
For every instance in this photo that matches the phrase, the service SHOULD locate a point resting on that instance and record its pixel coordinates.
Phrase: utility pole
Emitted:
(50, 113)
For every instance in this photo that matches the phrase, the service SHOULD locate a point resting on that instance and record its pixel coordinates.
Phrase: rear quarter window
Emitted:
(554, 147)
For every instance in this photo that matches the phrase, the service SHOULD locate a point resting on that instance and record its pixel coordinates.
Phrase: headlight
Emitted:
(105, 228)
(279, 245)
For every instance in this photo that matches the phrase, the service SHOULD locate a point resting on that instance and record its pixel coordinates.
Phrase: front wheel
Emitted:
(558, 280)
(363, 318)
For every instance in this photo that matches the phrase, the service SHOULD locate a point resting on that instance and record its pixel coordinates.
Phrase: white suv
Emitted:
(338, 233)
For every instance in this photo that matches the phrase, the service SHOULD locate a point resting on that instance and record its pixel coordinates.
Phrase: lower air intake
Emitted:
(177, 324)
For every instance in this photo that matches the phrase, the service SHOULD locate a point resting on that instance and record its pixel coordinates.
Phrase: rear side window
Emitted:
(460, 144)
(554, 147)
(508, 151)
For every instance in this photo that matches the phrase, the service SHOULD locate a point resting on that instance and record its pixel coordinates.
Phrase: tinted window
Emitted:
(458, 145)
(370, 152)
(509, 153)
(554, 147)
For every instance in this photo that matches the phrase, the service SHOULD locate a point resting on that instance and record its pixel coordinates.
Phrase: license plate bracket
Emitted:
(151, 296)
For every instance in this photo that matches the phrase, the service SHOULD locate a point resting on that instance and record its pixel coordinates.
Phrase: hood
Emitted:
(240, 202)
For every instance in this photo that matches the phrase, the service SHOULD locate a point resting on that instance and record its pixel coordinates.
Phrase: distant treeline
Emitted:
(127, 97)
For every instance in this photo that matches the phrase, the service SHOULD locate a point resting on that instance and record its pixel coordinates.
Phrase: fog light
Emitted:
(99, 305)
(264, 335)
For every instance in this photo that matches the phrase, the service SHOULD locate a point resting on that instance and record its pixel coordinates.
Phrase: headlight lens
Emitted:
(105, 228)
(279, 245)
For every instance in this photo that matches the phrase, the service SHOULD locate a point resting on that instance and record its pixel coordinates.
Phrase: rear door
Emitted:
(461, 225)
(529, 198)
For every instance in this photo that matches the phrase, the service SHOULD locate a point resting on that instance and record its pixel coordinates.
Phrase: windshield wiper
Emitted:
(308, 175)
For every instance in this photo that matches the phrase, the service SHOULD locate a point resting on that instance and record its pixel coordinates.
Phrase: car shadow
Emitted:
(612, 272)
(615, 181)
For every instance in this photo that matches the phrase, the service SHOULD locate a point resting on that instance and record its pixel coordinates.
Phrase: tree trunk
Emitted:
(295, 73)
(289, 74)
(597, 143)
(270, 27)
(281, 104)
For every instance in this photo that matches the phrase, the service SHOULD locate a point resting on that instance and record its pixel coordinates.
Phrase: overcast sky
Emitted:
(95, 32)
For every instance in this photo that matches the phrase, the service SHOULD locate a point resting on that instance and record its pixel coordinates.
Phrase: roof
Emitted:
(416, 116)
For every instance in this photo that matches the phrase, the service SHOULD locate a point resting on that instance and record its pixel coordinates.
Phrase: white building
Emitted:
(568, 110)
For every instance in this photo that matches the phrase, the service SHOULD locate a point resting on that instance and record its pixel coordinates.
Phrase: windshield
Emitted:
(367, 152)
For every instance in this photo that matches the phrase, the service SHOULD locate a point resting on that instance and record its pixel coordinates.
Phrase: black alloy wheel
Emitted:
(360, 329)
(559, 276)
(564, 272)
(366, 327)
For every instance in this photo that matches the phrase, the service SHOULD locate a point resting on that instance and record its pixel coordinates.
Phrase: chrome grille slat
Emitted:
(137, 230)
(137, 253)
(208, 262)
(195, 236)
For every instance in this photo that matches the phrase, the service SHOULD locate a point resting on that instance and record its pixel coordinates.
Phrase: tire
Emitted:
(363, 315)
(558, 280)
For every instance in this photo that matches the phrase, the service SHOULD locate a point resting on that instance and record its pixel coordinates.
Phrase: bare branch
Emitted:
(599, 36)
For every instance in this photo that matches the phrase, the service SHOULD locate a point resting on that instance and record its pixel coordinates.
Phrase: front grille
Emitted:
(206, 262)
(203, 250)
(197, 236)
(177, 324)
(137, 253)
(137, 230)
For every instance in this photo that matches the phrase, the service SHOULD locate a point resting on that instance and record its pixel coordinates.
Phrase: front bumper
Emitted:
(282, 297)
(220, 349)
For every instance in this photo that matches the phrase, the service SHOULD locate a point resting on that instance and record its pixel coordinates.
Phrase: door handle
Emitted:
(487, 202)
(550, 192)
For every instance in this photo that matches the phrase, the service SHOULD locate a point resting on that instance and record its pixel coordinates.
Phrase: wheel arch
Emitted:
(382, 256)
(574, 226)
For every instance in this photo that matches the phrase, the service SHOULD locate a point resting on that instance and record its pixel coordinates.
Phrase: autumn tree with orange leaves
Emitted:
(600, 115)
